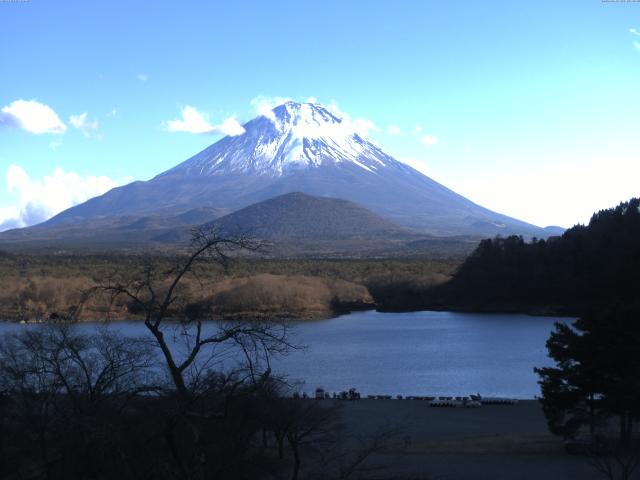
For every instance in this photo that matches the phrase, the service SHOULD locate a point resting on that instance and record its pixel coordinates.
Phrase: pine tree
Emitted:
(597, 373)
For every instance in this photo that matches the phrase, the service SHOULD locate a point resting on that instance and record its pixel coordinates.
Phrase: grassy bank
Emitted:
(43, 286)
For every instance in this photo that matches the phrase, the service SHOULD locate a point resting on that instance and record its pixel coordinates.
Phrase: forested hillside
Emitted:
(587, 266)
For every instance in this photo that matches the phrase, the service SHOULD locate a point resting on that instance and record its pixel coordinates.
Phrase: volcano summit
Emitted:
(297, 147)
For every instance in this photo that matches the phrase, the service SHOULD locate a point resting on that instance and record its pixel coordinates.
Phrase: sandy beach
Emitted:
(492, 442)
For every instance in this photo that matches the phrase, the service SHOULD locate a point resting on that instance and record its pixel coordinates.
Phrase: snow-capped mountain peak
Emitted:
(308, 148)
(290, 137)
(293, 115)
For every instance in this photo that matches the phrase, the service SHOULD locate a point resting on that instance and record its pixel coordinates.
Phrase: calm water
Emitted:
(418, 353)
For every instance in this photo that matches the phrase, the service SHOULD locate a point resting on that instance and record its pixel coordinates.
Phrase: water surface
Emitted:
(417, 353)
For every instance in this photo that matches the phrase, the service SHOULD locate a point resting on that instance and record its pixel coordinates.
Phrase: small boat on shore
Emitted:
(498, 401)
(458, 402)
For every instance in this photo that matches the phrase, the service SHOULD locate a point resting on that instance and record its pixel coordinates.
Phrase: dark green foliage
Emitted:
(597, 373)
(588, 266)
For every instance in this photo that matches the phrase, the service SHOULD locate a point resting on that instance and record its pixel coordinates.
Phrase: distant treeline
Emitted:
(588, 266)
(51, 285)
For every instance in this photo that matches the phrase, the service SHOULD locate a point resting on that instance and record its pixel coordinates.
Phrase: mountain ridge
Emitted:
(294, 225)
(304, 148)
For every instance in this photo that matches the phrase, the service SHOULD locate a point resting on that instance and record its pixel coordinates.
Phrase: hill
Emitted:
(295, 225)
(299, 216)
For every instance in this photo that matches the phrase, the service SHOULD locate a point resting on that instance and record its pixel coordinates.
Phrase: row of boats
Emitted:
(471, 401)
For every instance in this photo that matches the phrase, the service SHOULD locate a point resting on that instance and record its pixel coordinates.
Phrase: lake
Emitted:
(417, 353)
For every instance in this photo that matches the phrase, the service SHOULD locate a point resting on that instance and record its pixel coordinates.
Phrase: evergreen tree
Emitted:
(597, 373)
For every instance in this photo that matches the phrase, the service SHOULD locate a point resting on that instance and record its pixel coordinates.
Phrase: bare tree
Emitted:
(64, 389)
(197, 352)
(155, 294)
(619, 464)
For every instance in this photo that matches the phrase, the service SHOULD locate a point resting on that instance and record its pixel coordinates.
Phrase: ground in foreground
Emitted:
(492, 442)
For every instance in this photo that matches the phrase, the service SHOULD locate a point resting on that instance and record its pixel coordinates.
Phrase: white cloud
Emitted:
(82, 123)
(393, 130)
(230, 126)
(430, 140)
(263, 105)
(312, 100)
(143, 77)
(39, 199)
(32, 116)
(362, 126)
(193, 121)
(633, 31)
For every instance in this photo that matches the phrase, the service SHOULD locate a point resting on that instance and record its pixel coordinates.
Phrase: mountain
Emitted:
(296, 216)
(126, 231)
(301, 147)
(294, 225)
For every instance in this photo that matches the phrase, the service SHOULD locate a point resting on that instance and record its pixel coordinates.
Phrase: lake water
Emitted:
(417, 353)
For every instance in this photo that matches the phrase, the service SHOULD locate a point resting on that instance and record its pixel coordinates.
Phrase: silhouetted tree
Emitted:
(597, 373)
(201, 399)
(588, 266)
(65, 395)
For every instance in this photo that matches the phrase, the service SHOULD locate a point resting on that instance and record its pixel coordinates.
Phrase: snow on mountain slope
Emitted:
(301, 147)
(296, 136)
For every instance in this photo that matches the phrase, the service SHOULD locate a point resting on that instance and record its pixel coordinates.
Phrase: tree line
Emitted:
(587, 267)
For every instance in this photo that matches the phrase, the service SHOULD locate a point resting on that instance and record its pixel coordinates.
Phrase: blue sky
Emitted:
(528, 108)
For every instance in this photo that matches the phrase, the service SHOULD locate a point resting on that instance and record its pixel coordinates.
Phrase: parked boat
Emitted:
(498, 401)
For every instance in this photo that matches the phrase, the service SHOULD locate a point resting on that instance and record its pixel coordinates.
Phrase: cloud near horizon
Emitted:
(82, 123)
(38, 200)
(430, 140)
(194, 121)
(32, 116)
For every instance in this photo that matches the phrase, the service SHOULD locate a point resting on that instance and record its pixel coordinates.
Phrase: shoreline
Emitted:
(308, 316)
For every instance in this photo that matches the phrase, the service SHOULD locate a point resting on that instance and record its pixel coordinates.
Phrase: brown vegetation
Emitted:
(298, 296)
(36, 297)
(36, 287)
